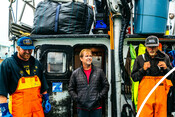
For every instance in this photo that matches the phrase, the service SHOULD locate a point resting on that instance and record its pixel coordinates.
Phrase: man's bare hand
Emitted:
(162, 64)
(3, 99)
(146, 65)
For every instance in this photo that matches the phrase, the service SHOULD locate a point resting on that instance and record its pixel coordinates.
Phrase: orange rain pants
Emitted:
(156, 105)
(26, 101)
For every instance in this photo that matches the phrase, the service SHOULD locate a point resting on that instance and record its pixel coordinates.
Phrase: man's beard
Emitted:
(23, 56)
(152, 54)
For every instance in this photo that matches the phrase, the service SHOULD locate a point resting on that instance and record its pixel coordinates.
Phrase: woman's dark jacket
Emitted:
(86, 95)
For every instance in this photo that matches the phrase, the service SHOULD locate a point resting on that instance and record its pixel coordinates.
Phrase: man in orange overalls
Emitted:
(22, 78)
(149, 68)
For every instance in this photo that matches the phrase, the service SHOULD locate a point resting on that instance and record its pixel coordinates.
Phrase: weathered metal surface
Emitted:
(61, 103)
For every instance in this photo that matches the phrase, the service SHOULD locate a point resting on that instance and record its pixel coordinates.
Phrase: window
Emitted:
(56, 62)
(97, 61)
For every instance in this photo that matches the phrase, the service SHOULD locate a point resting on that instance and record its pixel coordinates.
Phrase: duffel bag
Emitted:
(44, 19)
(65, 18)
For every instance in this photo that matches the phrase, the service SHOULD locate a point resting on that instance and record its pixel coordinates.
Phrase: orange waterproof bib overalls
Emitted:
(26, 101)
(156, 105)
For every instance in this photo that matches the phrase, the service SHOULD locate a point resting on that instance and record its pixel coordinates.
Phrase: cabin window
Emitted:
(56, 62)
(97, 61)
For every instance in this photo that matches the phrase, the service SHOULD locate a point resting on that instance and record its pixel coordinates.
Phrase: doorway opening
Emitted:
(99, 59)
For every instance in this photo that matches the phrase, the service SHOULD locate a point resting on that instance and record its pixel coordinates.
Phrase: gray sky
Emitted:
(4, 22)
(4, 11)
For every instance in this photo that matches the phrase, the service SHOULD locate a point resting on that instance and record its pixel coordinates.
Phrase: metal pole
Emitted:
(117, 29)
(22, 12)
(113, 78)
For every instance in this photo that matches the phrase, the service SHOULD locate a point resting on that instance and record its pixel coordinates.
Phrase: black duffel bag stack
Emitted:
(65, 18)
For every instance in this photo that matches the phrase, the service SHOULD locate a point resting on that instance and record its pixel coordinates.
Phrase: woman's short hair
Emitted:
(84, 50)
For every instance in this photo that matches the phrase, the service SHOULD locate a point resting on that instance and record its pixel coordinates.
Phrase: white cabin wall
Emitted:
(74, 41)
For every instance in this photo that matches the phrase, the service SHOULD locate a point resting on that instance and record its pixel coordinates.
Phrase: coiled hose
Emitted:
(126, 14)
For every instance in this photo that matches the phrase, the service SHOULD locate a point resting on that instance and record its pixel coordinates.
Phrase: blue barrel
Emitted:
(150, 16)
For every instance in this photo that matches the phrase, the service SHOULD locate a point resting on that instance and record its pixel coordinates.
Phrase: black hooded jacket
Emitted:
(10, 73)
(138, 72)
(87, 95)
